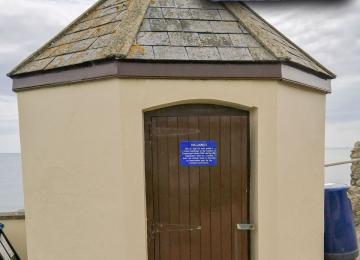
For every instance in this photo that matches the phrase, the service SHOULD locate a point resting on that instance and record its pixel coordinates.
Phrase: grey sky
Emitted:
(329, 32)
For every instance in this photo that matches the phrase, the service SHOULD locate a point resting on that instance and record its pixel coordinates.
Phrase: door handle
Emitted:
(246, 227)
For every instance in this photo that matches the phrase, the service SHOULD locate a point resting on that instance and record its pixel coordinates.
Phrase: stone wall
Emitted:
(355, 168)
(354, 191)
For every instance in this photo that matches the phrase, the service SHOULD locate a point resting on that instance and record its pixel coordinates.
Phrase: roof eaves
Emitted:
(235, 9)
(59, 35)
(307, 69)
(274, 70)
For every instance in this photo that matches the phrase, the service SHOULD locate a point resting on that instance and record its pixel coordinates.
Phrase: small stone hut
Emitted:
(172, 129)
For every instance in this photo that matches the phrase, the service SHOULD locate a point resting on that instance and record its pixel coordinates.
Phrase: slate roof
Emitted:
(194, 30)
(172, 30)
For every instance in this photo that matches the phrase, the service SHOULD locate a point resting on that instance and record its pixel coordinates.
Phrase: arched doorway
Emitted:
(197, 182)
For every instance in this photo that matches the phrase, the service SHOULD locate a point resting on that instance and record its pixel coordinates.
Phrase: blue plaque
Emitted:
(198, 153)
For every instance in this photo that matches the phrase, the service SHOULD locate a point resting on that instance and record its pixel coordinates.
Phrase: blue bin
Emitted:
(340, 242)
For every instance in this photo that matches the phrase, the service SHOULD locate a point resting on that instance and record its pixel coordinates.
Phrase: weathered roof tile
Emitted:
(78, 36)
(226, 15)
(244, 40)
(204, 4)
(107, 19)
(201, 14)
(225, 27)
(46, 54)
(196, 26)
(184, 39)
(141, 52)
(105, 11)
(171, 13)
(120, 15)
(170, 53)
(152, 38)
(184, 13)
(175, 13)
(85, 56)
(35, 65)
(235, 54)
(154, 12)
(162, 3)
(203, 53)
(165, 25)
(215, 39)
(260, 54)
(145, 26)
(187, 4)
(73, 47)
(59, 61)
(110, 3)
(105, 29)
(102, 41)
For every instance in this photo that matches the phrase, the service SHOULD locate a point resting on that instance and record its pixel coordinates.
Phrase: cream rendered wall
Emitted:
(15, 232)
(83, 161)
(301, 129)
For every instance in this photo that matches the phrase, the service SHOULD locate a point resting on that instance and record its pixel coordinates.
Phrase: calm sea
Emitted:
(11, 189)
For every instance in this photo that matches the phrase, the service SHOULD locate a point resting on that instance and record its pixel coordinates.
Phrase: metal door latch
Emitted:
(245, 226)
(158, 228)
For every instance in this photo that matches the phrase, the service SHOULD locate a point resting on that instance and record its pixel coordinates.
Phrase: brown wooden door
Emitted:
(193, 211)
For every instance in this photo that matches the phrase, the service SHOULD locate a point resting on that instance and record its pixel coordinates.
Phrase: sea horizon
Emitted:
(11, 188)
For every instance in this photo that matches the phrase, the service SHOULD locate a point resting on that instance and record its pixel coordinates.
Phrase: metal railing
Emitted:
(342, 162)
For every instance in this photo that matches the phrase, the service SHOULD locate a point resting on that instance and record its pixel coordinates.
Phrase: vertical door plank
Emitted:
(184, 195)
(173, 153)
(163, 169)
(154, 144)
(244, 173)
(226, 227)
(149, 187)
(239, 237)
(205, 196)
(194, 194)
(214, 126)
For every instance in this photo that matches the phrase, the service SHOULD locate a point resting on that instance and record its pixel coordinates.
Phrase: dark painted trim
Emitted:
(131, 69)
(199, 70)
(57, 77)
(146, 70)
